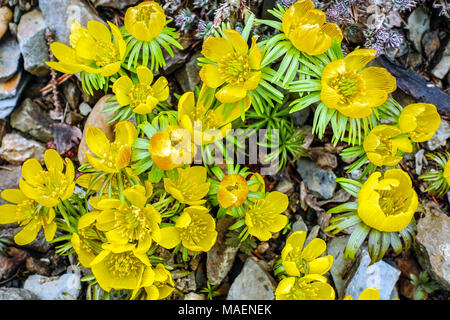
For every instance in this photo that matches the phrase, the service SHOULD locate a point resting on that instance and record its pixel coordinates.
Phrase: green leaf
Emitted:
(237, 225)
(356, 239)
(155, 174)
(396, 243)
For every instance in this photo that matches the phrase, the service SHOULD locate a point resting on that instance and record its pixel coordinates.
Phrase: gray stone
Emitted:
(186, 284)
(336, 248)
(194, 296)
(16, 149)
(10, 92)
(118, 4)
(380, 275)
(9, 178)
(31, 119)
(440, 137)
(418, 23)
(72, 94)
(59, 15)
(443, 66)
(65, 287)
(299, 225)
(6, 16)
(430, 43)
(39, 244)
(319, 181)
(220, 258)
(9, 58)
(16, 294)
(188, 76)
(285, 186)
(253, 283)
(85, 109)
(31, 36)
(432, 244)
(301, 116)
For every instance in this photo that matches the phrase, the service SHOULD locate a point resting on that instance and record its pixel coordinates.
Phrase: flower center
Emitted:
(303, 290)
(260, 217)
(54, 184)
(385, 147)
(195, 231)
(347, 84)
(132, 222)
(146, 13)
(235, 68)
(122, 265)
(26, 211)
(139, 94)
(107, 53)
(391, 201)
(110, 157)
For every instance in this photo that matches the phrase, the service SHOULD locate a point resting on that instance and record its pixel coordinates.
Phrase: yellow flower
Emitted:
(87, 180)
(171, 148)
(195, 229)
(233, 191)
(388, 204)
(48, 187)
(209, 124)
(353, 89)
(190, 187)
(110, 157)
(235, 65)
(305, 27)
(383, 142)
(92, 50)
(130, 221)
(141, 97)
(299, 261)
(420, 121)
(28, 214)
(264, 216)
(367, 294)
(145, 21)
(309, 287)
(447, 172)
(157, 283)
(119, 266)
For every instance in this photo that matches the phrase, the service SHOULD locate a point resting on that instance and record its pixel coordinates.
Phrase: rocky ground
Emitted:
(40, 109)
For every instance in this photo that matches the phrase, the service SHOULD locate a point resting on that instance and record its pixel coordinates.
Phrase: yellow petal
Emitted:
(144, 74)
(27, 234)
(215, 48)
(230, 94)
(358, 59)
(254, 56)
(378, 79)
(97, 141)
(170, 238)
(31, 171)
(49, 231)
(370, 294)
(161, 89)
(53, 160)
(8, 213)
(314, 249)
(126, 133)
(99, 31)
(238, 43)
(14, 196)
(321, 265)
(211, 76)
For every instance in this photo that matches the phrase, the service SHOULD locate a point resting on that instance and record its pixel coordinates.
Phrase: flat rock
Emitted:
(17, 294)
(6, 16)
(31, 37)
(99, 119)
(319, 181)
(221, 257)
(16, 149)
(443, 66)
(253, 283)
(65, 287)
(188, 76)
(336, 248)
(30, 118)
(432, 244)
(10, 58)
(380, 275)
(418, 23)
(118, 4)
(9, 178)
(10, 92)
(39, 244)
(440, 137)
(194, 296)
(59, 15)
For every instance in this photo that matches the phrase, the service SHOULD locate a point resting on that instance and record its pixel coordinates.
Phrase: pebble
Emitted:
(65, 287)
(9, 178)
(188, 76)
(319, 181)
(118, 4)
(30, 118)
(10, 58)
(285, 186)
(440, 137)
(85, 109)
(72, 94)
(380, 275)
(299, 225)
(31, 37)
(418, 23)
(16, 294)
(432, 245)
(17, 149)
(10, 93)
(6, 16)
(194, 296)
(443, 66)
(336, 248)
(252, 283)
(430, 43)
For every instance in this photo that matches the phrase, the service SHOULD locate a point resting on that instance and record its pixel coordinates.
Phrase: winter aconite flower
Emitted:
(95, 50)
(171, 148)
(143, 96)
(353, 89)
(145, 21)
(265, 216)
(305, 27)
(195, 229)
(233, 64)
(367, 294)
(382, 144)
(157, 283)
(189, 187)
(110, 157)
(309, 287)
(447, 172)
(387, 204)
(130, 221)
(48, 187)
(299, 261)
(28, 214)
(420, 121)
(205, 124)
(233, 191)
(119, 266)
